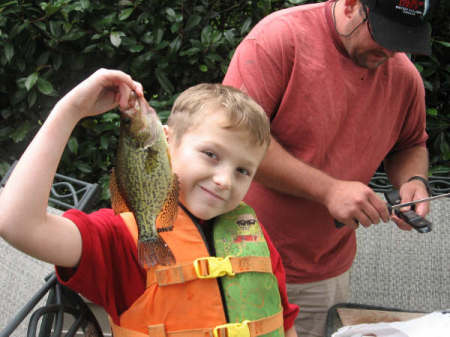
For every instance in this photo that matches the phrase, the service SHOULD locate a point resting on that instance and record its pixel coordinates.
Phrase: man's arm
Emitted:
(400, 166)
(347, 201)
(24, 221)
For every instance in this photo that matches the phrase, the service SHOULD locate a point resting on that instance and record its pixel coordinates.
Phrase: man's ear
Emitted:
(351, 7)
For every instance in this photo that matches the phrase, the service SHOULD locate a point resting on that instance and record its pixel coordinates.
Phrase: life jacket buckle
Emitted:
(215, 267)
(232, 330)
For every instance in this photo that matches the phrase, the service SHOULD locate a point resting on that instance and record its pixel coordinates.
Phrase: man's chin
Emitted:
(369, 61)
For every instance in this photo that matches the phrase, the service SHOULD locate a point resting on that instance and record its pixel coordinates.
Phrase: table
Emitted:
(343, 314)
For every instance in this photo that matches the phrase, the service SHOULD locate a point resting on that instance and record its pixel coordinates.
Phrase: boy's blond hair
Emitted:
(242, 111)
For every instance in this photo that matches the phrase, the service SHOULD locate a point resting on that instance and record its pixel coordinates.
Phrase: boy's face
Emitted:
(215, 166)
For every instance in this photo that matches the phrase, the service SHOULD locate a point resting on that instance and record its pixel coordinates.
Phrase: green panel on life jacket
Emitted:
(252, 295)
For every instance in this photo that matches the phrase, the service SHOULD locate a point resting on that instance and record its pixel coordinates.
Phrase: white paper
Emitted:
(436, 324)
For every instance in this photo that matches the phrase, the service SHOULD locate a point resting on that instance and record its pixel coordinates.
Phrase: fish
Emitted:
(143, 182)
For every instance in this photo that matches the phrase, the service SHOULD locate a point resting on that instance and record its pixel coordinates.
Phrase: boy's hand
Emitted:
(102, 91)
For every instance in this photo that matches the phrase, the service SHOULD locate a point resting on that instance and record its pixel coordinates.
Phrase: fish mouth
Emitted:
(209, 192)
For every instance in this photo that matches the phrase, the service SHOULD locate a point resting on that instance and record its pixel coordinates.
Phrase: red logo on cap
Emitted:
(411, 4)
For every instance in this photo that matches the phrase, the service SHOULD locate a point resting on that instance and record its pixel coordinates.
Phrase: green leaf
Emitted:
(192, 22)
(32, 97)
(205, 37)
(171, 15)
(55, 28)
(85, 4)
(43, 58)
(83, 167)
(73, 36)
(125, 14)
(432, 112)
(175, 45)
(9, 51)
(203, 68)
(31, 80)
(6, 4)
(229, 36)
(73, 145)
(175, 27)
(57, 61)
(164, 80)
(246, 26)
(440, 169)
(4, 167)
(20, 133)
(428, 85)
(297, 2)
(104, 142)
(116, 38)
(110, 117)
(45, 87)
(190, 51)
(5, 132)
(419, 67)
(159, 36)
(444, 43)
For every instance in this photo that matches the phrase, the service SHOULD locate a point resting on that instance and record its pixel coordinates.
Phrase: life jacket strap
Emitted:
(244, 329)
(208, 267)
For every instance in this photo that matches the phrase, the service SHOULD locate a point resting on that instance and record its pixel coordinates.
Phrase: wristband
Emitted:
(423, 180)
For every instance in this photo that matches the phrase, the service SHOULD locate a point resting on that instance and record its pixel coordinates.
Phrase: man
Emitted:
(342, 98)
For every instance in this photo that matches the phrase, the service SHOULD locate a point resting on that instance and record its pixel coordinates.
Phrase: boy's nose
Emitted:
(222, 178)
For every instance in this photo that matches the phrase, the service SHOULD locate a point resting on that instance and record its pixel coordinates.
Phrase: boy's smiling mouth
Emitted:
(212, 193)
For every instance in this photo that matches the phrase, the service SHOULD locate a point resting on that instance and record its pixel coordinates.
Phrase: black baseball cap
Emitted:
(401, 25)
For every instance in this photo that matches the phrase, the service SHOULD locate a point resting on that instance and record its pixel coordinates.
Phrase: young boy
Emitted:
(217, 137)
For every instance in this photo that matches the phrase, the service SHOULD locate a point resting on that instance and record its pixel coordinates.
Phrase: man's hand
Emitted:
(352, 202)
(410, 191)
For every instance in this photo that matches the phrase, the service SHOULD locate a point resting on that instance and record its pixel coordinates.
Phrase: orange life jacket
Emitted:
(179, 302)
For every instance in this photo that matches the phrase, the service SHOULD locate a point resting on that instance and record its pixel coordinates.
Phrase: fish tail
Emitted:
(154, 251)
(118, 203)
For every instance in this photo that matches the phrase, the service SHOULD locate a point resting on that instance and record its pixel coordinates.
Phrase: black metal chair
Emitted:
(61, 302)
(396, 271)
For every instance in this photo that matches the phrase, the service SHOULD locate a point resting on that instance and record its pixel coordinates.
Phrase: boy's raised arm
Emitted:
(24, 221)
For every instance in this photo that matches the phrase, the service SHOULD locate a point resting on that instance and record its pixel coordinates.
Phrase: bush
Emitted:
(48, 47)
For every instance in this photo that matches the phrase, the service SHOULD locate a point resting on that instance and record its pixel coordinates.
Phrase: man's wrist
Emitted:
(423, 180)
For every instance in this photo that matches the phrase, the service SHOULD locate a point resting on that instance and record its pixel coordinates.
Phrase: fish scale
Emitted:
(143, 181)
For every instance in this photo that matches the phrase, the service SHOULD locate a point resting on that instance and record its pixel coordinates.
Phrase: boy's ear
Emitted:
(167, 132)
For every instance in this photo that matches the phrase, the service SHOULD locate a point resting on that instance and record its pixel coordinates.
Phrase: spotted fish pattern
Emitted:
(143, 182)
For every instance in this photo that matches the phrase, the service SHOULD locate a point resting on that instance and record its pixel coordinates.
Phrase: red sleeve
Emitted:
(413, 131)
(290, 311)
(108, 273)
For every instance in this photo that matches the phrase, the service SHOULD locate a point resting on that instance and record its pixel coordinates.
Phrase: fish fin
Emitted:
(154, 251)
(166, 218)
(118, 203)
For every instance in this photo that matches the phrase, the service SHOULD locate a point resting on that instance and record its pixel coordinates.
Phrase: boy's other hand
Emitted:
(104, 90)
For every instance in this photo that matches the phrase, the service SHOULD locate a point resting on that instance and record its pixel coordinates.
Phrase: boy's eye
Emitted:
(210, 154)
(243, 171)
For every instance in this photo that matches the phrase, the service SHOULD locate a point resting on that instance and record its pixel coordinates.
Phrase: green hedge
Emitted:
(168, 45)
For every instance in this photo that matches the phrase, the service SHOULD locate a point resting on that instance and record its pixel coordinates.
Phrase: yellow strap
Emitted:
(185, 272)
(256, 328)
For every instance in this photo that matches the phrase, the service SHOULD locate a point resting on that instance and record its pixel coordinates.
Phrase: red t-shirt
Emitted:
(331, 114)
(109, 274)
